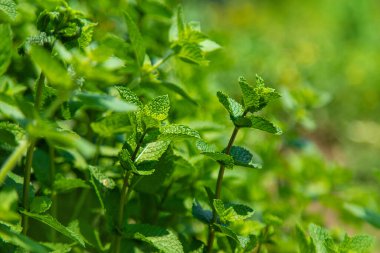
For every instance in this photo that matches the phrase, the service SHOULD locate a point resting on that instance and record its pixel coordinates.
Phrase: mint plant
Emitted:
(106, 146)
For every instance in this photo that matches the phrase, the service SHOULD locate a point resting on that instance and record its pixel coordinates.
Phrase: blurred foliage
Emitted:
(108, 59)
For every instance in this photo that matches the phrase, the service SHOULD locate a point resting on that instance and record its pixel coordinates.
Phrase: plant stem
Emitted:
(125, 193)
(29, 156)
(54, 204)
(26, 186)
(218, 190)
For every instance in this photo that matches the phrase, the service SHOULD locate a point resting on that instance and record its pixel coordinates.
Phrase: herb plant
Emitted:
(101, 146)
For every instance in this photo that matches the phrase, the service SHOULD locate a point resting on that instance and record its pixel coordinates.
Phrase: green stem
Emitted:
(26, 186)
(218, 190)
(10, 163)
(163, 60)
(29, 156)
(54, 204)
(125, 193)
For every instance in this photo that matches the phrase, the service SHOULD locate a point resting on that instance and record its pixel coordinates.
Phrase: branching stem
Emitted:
(218, 189)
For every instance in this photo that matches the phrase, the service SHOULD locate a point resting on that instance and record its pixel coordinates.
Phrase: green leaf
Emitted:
(304, 244)
(20, 240)
(201, 214)
(264, 125)
(158, 108)
(240, 240)
(86, 35)
(243, 157)
(234, 108)
(58, 247)
(163, 169)
(256, 98)
(62, 184)
(53, 223)
(232, 212)
(8, 205)
(5, 46)
(10, 135)
(136, 39)
(210, 152)
(179, 91)
(192, 53)
(104, 102)
(160, 238)
(322, 239)
(61, 138)
(129, 96)
(7, 12)
(111, 125)
(358, 243)
(54, 71)
(153, 151)
(40, 204)
(173, 132)
(101, 177)
(368, 215)
(221, 158)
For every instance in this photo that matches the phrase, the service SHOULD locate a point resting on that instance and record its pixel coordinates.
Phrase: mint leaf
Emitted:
(5, 46)
(86, 35)
(241, 241)
(231, 212)
(173, 132)
(7, 11)
(53, 223)
(243, 157)
(322, 239)
(160, 238)
(234, 108)
(264, 125)
(62, 184)
(129, 96)
(112, 124)
(101, 177)
(256, 98)
(136, 39)
(153, 151)
(52, 68)
(177, 89)
(20, 240)
(368, 215)
(201, 214)
(357, 243)
(304, 244)
(158, 108)
(104, 102)
(40, 204)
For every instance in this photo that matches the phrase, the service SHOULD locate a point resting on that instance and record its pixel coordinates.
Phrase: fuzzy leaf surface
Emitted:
(7, 11)
(5, 46)
(322, 240)
(173, 132)
(101, 177)
(158, 108)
